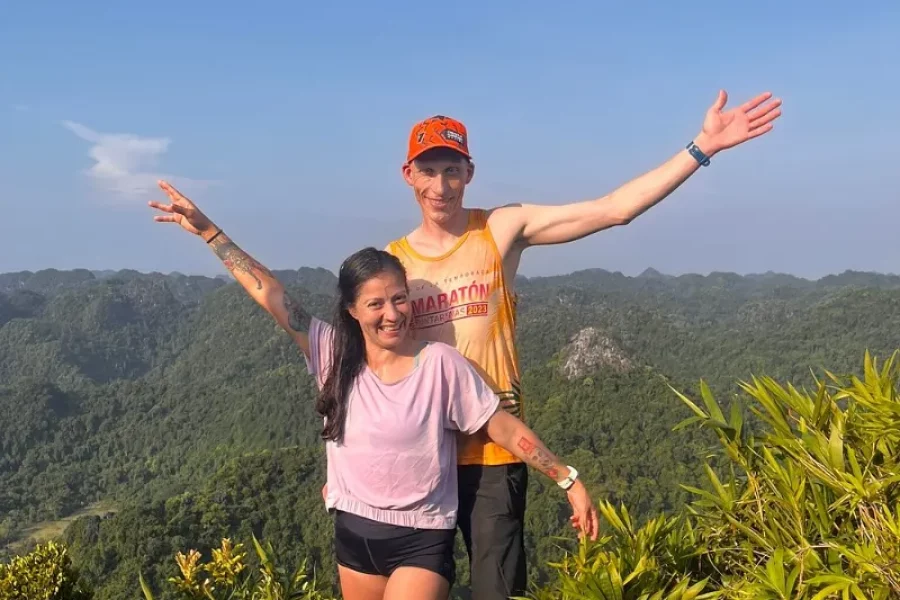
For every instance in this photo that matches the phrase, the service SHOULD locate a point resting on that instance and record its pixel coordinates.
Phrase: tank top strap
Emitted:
(477, 219)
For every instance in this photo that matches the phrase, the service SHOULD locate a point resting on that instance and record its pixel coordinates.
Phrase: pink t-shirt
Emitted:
(397, 461)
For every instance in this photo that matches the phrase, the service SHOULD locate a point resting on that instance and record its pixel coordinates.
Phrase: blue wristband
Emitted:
(697, 153)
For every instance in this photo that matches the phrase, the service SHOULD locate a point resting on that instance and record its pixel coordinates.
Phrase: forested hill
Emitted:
(175, 403)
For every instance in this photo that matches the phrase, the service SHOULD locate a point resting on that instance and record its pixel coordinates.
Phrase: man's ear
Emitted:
(407, 170)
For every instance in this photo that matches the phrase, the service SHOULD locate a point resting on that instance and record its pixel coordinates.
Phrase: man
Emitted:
(461, 266)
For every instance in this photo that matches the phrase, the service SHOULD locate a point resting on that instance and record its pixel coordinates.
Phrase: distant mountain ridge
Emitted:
(51, 281)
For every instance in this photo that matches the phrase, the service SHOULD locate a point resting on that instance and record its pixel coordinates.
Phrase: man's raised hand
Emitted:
(723, 130)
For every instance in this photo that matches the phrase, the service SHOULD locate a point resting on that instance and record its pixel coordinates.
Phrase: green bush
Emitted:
(227, 575)
(46, 573)
(803, 505)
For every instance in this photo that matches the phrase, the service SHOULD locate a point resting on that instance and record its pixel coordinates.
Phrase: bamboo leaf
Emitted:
(827, 591)
(775, 569)
(696, 409)
(686, 422)
(148, 595)
(711, 405)
(836, 447)
(737, 418)
(692, 592)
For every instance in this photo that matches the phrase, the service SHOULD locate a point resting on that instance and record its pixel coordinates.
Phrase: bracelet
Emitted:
(215, 235)
(569, 481)
(698, 154)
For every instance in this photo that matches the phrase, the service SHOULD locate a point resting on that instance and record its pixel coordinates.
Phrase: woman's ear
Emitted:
(353, 312)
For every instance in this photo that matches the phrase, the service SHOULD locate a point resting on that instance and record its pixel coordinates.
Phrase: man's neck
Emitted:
(440, 237)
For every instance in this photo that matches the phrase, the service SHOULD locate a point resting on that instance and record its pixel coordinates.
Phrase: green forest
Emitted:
(143, 415)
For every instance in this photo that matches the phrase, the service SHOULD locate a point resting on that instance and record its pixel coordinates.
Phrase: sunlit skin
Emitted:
(438, 180)
(383, 311)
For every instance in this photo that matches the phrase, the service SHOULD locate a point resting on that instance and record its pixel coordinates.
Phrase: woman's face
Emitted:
(383, 310)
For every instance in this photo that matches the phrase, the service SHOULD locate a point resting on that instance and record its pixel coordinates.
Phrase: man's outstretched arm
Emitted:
(529, 225)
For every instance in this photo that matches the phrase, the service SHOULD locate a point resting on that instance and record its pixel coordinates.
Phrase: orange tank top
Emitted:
(461, 299)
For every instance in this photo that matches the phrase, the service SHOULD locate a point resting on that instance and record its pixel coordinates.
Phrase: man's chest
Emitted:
(451, 300)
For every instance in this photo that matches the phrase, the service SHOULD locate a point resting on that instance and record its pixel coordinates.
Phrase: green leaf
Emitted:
(711, 405)
(686, 422)
(148, 595)
(737, 418)
(826, 592)
(692, 592)
(724, 494)
(775, 569)
(717, 424)
(696, 409)
(836, 447)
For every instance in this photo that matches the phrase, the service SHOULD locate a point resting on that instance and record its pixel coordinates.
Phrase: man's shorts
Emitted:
(492, 521)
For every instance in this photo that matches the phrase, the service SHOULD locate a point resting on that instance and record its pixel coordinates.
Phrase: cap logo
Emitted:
(453, 136)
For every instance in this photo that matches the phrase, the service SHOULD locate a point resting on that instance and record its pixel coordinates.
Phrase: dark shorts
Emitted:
(492, 521)
(378, 548)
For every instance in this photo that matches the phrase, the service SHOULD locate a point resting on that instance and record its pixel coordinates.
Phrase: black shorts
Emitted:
(378, 548)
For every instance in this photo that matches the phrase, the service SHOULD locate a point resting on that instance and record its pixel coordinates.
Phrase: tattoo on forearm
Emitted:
(298, 319)
(236, 260)
(538, 457)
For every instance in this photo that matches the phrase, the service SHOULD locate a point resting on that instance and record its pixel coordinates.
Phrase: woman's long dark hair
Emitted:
(349, 352)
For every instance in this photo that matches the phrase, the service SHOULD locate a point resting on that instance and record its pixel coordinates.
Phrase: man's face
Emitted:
(439, 180)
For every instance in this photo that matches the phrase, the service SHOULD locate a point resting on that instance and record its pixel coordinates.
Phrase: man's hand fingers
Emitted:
(764, 118)
(754, 102)
(764, 109)
(165, 219)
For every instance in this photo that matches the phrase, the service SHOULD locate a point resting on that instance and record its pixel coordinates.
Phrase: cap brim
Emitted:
(413, 157)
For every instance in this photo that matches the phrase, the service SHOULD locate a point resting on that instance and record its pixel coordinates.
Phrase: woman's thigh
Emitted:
(361, 586)
(416, 583)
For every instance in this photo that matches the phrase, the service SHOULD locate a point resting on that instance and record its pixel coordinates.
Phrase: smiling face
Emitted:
(439, 178)
(383, 310)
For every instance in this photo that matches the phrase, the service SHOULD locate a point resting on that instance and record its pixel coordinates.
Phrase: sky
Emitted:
(287, 124)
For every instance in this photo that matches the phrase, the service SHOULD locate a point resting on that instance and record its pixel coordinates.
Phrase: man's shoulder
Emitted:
(394, 246)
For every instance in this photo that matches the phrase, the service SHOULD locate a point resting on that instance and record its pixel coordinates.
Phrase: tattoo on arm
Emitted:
(538, 457)
(298, 319)
(236, 260)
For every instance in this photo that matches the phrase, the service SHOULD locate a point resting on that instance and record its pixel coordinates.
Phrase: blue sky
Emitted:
(287, 124)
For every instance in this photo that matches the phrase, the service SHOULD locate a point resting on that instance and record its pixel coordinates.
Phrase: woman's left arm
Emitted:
(510, 433)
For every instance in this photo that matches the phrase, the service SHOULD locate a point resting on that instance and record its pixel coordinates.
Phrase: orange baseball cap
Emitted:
(438, 132)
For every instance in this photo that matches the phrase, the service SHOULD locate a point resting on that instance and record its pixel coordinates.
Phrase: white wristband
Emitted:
(569, 481)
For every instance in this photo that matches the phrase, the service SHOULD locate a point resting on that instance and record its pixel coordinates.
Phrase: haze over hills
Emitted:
(172, 411)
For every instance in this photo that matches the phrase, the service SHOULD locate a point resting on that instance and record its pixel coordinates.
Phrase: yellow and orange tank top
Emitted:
(461, 299)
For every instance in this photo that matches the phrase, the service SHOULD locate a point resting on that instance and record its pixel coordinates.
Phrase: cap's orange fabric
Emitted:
(438, 132)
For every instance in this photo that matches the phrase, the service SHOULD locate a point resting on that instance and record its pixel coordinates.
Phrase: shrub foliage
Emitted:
(802, 501)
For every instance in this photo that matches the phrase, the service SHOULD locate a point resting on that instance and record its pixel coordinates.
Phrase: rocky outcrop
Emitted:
(589, 350)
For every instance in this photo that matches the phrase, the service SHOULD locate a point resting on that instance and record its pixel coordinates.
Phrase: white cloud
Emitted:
(125, 163)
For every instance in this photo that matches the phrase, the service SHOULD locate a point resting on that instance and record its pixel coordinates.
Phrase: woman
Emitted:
(392, 406)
